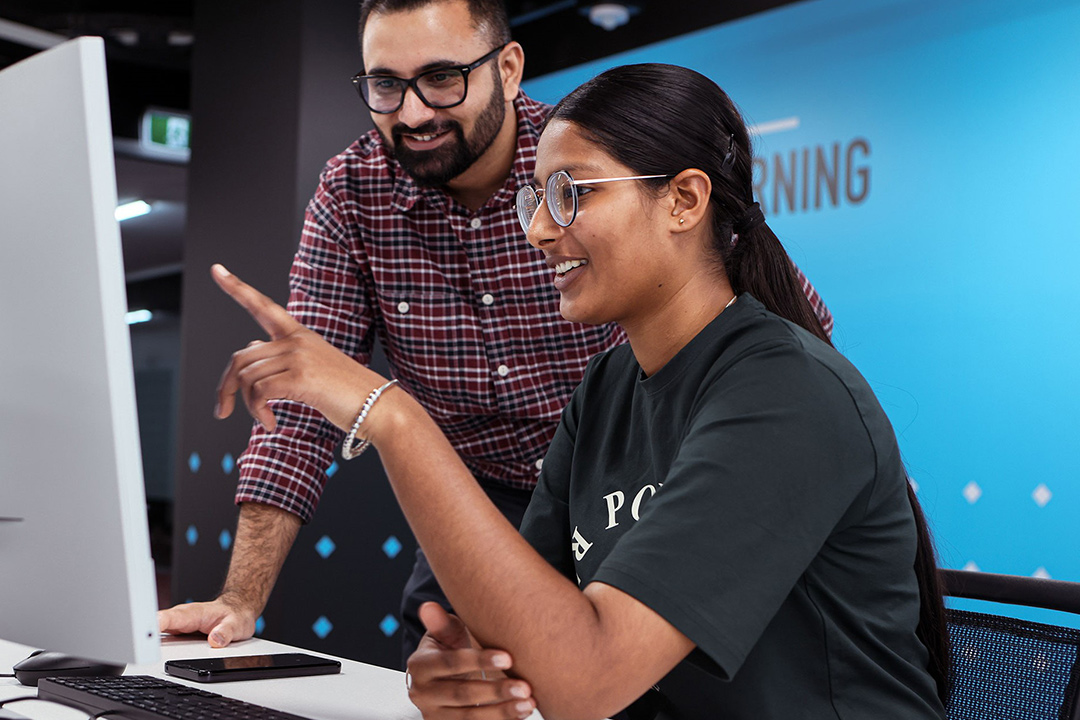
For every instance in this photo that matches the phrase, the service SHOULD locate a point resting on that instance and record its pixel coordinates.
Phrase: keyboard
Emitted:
(141, 697)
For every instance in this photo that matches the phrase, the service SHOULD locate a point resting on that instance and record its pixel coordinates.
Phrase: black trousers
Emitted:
(422, 585)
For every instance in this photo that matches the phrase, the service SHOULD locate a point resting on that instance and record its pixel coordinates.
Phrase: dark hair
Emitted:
(487, 15)
(659, 119)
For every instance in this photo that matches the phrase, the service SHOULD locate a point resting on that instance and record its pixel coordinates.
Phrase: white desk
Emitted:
(360, 692)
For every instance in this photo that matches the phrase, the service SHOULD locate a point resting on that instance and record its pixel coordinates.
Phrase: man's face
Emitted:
(435, 145)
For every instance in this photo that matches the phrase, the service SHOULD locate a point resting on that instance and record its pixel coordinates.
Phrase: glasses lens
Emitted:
(562, 198)
(382, 94)
(442, 88)
(527, 203)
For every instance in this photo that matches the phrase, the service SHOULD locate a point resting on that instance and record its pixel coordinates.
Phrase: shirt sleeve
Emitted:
(329, 294)
(816, 301)
(546, 524)
(774, 456)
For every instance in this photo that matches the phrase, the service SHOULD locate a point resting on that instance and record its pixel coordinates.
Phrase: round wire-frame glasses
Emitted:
(561, 194)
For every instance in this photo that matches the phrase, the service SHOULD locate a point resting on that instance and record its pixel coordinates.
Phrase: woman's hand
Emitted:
(295, 364)
(450, 677)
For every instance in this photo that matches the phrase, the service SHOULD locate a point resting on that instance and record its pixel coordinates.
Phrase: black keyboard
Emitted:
(142, 697)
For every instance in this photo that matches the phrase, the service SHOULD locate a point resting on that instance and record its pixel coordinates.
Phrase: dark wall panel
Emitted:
(272, 102)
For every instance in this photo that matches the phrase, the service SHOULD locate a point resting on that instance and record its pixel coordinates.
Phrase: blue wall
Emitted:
(925, 174)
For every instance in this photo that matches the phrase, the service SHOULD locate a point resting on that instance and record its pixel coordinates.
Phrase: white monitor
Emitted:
(76, 574)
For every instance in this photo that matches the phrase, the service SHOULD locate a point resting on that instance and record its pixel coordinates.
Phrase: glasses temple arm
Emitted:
(614, 179)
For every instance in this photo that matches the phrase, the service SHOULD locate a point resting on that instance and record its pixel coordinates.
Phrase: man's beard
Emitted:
(435, 168)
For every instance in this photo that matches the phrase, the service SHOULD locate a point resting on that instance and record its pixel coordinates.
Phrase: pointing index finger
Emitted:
(271, 317)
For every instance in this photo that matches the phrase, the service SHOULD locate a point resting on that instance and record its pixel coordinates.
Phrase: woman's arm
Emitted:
(574, 647)
(585, 654)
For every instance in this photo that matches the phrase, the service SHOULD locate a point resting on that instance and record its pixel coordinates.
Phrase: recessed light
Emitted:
(132, 209)
(610, 15)
(138, 316)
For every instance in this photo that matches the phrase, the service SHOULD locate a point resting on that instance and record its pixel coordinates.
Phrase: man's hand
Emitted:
(220, 621)
(264, 535)
(451, 676)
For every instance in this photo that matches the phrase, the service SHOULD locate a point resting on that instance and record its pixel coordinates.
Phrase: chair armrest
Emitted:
(1014, 589)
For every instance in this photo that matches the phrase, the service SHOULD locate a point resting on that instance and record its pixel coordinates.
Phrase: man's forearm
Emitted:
(264, 535)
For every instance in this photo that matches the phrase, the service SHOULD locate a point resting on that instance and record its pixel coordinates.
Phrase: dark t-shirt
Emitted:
(751, 493)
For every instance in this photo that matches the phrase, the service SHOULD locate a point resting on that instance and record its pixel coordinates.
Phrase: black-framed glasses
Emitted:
(440, 88)
(561, 193)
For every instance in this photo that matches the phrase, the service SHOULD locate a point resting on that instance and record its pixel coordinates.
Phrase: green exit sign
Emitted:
(166, 132)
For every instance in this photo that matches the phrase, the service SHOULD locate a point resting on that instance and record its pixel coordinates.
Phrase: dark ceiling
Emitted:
(149, 45)
(149, 49)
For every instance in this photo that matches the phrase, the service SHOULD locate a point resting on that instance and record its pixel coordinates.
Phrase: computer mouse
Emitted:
(53, 664)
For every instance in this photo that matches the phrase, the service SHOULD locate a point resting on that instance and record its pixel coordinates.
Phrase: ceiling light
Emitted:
(132, 209)
(138, 316)
(610, 15)
(128, 37)
(180, 38)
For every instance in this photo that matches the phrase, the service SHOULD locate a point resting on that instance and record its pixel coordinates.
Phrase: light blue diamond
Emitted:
(334, 467)
(227, 463)
(194, 462)
(392, 546)
(322, 627)
(325, 546)
(389, 625)
(260, 625)
(192, 535)
(225, 539)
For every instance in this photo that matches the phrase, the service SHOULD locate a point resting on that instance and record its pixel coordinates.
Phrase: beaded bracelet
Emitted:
(348, 450)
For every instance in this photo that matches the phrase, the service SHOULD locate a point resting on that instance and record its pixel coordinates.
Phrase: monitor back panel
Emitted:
(75, 568)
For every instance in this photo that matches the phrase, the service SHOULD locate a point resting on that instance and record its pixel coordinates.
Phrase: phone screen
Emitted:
(251, 667)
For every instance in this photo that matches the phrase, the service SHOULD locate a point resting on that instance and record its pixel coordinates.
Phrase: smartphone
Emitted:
(251, 667)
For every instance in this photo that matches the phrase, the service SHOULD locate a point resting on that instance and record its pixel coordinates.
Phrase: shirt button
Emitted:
(487, 299)
(503, 371)
(403, 307)
(475, 223)
(540, 464)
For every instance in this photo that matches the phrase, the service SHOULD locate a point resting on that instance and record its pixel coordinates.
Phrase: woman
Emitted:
(722, 526)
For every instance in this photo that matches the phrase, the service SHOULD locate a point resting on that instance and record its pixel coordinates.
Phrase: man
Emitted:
(412, 237)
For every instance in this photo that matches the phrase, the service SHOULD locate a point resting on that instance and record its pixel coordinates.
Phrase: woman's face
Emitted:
(614, 262)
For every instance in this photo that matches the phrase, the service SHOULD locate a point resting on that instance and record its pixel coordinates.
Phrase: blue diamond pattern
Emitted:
(194, 462)
(389, 625)
(192, 535)
(322, 627)
(334, 467)
(392, 546)
(260, 625)
(225, 539)
(325, 546)
(227, 463)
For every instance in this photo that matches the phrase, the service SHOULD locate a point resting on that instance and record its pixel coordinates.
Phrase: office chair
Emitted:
(1009, 669)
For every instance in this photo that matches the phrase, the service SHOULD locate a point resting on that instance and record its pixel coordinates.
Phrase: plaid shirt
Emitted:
(463, 306)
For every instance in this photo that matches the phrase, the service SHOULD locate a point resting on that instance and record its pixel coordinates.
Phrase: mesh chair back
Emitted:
(1009, 669)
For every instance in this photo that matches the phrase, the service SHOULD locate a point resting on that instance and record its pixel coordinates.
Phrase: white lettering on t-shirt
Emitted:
(635, 508)
(579, 546)
(614, 501)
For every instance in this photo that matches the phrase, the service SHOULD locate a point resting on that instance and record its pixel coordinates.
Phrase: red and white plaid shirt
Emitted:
(463, 306)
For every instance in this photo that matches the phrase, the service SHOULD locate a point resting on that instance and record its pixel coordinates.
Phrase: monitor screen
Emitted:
(76, 574)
